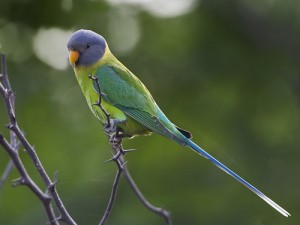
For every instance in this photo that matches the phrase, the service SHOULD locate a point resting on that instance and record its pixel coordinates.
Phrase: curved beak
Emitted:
(73, 56)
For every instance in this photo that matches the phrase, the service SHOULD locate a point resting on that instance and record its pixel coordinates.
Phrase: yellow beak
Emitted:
(73, 56)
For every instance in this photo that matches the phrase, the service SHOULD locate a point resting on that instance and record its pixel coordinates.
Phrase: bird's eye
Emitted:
(88, 45)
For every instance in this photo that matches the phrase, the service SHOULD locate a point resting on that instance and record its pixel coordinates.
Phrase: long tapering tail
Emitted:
(237, 177)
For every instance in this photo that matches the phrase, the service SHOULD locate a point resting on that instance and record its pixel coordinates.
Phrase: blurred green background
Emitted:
(226, 70)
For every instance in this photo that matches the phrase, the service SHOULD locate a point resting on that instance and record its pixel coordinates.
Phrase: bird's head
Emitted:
(86, 48)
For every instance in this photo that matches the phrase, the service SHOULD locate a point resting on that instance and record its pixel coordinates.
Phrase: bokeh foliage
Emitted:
(228, 71)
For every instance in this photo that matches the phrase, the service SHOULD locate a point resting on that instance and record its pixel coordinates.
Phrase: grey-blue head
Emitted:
(85, 48)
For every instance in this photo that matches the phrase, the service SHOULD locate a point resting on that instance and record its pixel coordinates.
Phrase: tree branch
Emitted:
(113, 192)
(11, 149)
(13, 139)
(115, 140)
(25, 179)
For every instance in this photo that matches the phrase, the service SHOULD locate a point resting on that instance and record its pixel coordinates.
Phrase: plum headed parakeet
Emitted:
(128, 101)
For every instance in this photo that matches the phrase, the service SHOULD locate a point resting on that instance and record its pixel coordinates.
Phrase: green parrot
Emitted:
(127, 100)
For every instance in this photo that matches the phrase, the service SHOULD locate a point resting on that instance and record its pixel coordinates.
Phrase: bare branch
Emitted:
(25, 179)
(13, 139)
(115, 140)
(11, 149)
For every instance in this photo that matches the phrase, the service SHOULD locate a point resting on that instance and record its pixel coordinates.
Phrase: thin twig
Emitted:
(116, 143)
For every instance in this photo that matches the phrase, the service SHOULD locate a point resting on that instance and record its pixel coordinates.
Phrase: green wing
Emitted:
(125, 91)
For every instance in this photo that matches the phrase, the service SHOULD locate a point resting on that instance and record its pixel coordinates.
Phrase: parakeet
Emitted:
(127, 100)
